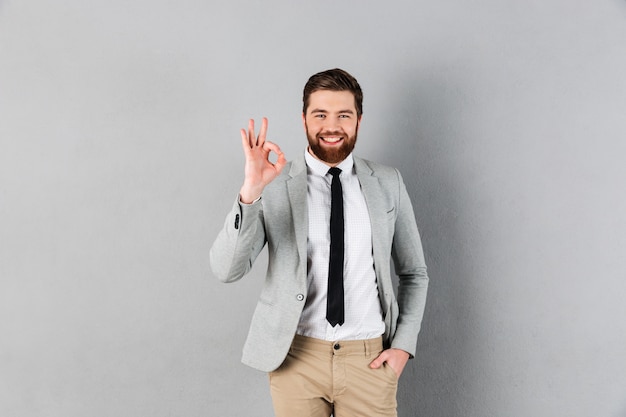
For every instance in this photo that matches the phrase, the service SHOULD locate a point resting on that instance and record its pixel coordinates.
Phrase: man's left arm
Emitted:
(408, 258)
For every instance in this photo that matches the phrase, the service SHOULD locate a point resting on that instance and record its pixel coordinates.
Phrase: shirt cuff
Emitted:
(247, 204)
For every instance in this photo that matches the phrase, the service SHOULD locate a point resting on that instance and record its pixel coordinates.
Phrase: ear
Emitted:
(304, 121)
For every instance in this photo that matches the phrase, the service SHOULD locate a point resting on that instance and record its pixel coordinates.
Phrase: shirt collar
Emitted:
(319, 168)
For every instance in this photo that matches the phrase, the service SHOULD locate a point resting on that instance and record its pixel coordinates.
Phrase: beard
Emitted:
(335, 154)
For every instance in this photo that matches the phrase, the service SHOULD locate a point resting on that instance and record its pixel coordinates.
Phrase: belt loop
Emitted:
(367, 348)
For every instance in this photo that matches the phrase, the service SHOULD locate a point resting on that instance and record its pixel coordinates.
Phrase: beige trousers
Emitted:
(320, 378)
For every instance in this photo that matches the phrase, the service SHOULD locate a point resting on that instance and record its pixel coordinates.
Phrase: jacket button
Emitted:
(300, 297)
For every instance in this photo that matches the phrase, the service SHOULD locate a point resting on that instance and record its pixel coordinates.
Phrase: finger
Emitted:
(263, 132)
(245, 142)
(251, 137)
(271, 146)
(281, 162)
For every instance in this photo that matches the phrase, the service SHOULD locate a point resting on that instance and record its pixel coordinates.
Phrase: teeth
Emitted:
(331, 139)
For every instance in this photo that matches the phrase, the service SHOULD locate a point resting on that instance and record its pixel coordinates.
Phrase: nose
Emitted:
(331, 125)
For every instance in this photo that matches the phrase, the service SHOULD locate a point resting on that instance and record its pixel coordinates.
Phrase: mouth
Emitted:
(331, 140)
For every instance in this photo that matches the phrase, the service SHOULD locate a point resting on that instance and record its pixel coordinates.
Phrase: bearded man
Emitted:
(328, 327)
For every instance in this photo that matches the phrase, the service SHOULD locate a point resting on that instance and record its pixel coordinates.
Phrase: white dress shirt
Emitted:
(363, 313)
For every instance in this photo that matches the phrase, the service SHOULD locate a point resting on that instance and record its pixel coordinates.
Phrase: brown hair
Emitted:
(333, 80)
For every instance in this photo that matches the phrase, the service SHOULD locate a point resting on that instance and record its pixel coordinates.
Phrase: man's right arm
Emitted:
(243, 234)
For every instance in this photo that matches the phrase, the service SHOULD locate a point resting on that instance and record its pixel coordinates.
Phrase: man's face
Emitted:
(331, 125)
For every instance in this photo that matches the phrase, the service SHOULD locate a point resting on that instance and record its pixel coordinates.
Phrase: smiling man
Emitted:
(328, 328)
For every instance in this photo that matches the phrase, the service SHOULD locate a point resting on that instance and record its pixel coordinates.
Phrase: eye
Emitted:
(320, 116)
(344, 116)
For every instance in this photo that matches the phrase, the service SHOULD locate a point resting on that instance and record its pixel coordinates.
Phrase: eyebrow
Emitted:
(348, 111)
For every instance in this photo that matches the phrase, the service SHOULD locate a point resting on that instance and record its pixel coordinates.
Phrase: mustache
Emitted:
(332, 132)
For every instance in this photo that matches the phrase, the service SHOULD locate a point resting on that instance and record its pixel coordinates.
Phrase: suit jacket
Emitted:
(279, 219)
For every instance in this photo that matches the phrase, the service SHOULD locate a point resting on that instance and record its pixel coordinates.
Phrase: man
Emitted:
(328, 327)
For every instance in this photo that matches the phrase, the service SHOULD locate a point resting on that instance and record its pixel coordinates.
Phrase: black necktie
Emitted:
(334, 306)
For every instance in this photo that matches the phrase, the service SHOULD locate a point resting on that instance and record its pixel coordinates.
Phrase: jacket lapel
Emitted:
(377, 207)
(297, 191)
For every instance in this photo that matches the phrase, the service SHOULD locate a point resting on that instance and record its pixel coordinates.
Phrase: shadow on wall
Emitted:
(422, 123)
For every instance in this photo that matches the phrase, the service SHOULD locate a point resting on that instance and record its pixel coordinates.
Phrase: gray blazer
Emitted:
(279, 219)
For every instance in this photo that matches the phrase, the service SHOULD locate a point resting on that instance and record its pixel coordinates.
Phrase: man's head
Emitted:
(332, 108)
(333, 80)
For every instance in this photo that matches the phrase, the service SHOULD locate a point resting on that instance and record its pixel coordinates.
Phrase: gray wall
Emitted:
(120, 155)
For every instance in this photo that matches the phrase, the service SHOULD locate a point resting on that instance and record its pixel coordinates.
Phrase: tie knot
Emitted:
(334, 171)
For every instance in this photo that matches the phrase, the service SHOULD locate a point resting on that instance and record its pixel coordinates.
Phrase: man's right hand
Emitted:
(259, 170)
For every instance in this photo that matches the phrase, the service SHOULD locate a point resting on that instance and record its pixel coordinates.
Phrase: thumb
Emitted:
(378, 362)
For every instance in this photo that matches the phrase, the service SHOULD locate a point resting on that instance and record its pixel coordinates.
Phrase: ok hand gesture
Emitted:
(259, 170)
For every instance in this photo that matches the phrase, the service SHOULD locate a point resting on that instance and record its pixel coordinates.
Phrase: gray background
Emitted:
(120, 155)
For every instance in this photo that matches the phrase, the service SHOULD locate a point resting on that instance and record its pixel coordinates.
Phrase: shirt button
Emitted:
(337, 346)
(300, 297)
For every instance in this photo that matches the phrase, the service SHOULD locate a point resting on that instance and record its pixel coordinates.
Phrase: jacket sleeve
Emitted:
(410, 266)
(239, 242)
